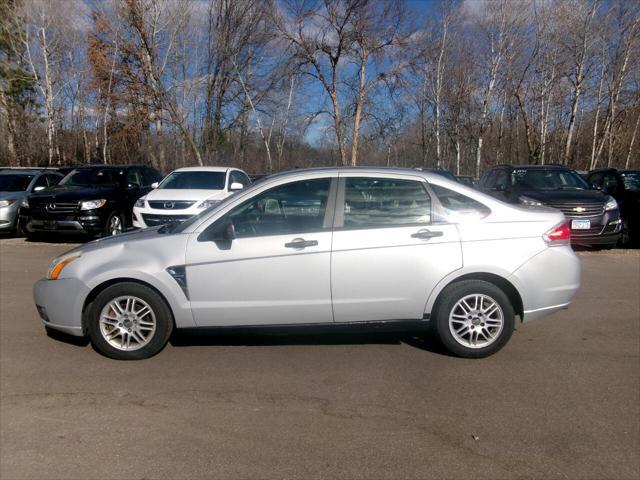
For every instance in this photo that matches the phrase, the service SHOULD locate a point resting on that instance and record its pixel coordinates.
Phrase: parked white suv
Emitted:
(186, 192)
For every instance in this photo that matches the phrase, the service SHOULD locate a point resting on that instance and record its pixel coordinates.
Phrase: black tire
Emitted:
(108, 231)
(155, 340)
(449, 299)
(33, 236)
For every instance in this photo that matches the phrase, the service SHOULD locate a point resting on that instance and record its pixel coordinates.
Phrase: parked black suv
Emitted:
(593, 216)
(624, 186)
(95, 200)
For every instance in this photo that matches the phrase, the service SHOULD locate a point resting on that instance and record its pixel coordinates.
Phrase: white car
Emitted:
(186, 192)
(336, 247)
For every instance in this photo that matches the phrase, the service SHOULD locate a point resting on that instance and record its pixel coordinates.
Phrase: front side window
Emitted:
(631, 181)
(293, 208)
(238, 177)
(385, 202)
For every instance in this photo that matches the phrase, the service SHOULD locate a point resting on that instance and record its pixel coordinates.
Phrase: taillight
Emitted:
(558, 235)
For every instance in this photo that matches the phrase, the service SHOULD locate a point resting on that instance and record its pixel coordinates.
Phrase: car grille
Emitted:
(155, 220)
(54, 207)
(579, 209)
(170, 204)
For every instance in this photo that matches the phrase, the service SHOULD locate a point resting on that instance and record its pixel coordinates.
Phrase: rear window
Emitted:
(457, 205)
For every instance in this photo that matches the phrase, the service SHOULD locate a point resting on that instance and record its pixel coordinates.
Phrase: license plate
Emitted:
(580, 224)
(50, 224)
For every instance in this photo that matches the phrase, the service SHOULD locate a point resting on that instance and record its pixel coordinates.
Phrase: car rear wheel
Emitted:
(129, 321)
(474, 318)
(115, 224)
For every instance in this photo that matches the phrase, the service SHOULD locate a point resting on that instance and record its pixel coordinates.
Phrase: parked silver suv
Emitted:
(330, 247)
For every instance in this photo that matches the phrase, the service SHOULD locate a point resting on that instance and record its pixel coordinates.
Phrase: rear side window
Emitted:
(457, 205)
(385, 202)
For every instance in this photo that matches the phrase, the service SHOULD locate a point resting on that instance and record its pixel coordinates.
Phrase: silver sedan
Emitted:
(338, 247)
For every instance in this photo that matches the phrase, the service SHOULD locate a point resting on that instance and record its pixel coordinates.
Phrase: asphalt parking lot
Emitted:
(562, 400)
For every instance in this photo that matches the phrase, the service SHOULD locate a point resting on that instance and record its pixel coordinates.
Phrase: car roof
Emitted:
(203, 169)
(23, 172)
(535, 167)
(361, 169)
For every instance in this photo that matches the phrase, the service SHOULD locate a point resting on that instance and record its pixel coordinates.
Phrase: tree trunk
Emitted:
(358, 112)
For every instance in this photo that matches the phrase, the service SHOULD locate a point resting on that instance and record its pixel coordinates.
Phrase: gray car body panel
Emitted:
(255, 283)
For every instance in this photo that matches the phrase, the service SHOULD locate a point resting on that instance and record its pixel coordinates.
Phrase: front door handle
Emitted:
(300, 243)
(425, 234)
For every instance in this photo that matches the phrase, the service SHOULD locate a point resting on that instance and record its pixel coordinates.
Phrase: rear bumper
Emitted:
(59, 304)
(548, 281)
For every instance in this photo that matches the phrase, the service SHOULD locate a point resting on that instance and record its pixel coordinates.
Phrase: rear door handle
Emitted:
(300, 243)
(425, 234)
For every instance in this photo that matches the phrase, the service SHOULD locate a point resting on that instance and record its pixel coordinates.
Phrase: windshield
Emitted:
(14, 183)
(631, 181)
(548, 179)
(194, 180)
(84, 177)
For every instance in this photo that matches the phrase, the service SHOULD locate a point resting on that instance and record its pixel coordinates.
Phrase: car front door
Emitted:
(388, 250)
(267, 259)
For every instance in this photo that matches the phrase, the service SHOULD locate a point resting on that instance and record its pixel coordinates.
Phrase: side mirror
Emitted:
(155, 184)
(235, 186)
(222, 234)
(38, 188)
(595, 186)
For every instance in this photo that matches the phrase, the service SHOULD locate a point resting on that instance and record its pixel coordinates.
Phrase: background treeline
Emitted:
(273, 84)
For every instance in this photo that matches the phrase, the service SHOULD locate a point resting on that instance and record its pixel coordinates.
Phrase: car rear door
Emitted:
(275, 269)
(388, 251)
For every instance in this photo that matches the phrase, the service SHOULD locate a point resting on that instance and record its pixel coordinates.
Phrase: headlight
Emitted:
(611, 204)
(6, 203)
(59, 263)
(92, 204)
(208, 203)
(140, 202)
(529, 201)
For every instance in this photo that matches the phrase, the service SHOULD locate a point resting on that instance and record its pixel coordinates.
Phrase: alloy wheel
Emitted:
(127, 323)
(476, 321)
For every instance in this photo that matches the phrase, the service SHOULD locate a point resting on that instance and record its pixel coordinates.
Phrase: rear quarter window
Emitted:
(456, 206)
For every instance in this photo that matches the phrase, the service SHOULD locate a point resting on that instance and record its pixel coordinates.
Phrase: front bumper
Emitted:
(87, 222)
(605, 230)
(148, 217)
(59, 304)
(8, 217)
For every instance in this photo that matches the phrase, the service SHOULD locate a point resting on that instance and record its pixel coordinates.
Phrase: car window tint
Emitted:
(487, 179)
(149, 176)
(501, 179)
(53, 180)
(41, 181)
(380, 202)
(134, 177)
(238, 177)
(454, 202)
(296, 207)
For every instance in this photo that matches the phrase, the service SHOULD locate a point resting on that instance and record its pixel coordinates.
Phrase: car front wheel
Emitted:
(114, 225)
(474, 318)
(129, 321)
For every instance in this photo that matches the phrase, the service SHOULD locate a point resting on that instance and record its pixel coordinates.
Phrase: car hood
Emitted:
(68, 193)
(561, 196)
(12, 195)
(186, 194)
(128, 237)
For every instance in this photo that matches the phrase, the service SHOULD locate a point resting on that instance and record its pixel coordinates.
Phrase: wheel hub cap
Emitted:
(476, 321)
(127, 323)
